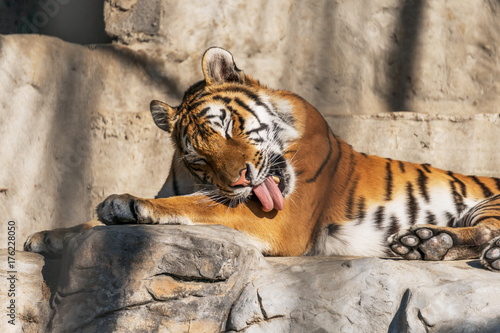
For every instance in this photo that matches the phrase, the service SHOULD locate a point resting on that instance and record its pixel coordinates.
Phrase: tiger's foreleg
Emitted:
(274, 233)
(50, 242)
(470, 239)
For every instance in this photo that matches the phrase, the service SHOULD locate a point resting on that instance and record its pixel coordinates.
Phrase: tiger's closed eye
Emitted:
(199, 161)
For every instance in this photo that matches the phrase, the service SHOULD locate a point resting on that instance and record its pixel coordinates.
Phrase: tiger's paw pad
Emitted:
(118, 209)
(420, 243)
(490, 258)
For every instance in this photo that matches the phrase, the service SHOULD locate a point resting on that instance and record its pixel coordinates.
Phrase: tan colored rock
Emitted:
(75, 127)
(345, 57)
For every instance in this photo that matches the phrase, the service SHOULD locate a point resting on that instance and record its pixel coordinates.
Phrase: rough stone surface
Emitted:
(149, 278)
(348, 57)
(319, 294)
(28, 291)
(75, 127)
(210, 279)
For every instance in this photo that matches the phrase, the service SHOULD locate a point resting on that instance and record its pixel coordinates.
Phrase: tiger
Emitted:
(265, 162)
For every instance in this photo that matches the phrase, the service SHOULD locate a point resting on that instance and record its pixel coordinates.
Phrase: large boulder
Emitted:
(152, 278)
(211, 279)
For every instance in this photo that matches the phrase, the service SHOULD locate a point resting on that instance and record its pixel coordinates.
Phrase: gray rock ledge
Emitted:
(211, 279)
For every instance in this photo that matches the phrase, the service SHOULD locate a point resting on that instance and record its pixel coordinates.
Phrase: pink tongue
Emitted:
(269, 195)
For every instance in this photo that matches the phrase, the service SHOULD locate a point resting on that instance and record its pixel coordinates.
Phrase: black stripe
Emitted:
(379, 216)
(203, 112)
(206, 126)
(360, 216)
(326, 160)
(451, 219)
(393, 227)
(332, 228)
(257, 140)
(430, 218)
(223, 114)
(226, 100)
(457, 198)
(197, 136)
(497, 183)
(241, 120)
(247, 108)
(402, 167)
(463, 187)
(260, 128)
(277, 129)
(350, 201)
(422, 185)
(412, 204)
(364, 154)
(252, 96)
(388, 182)
(426, 167)
(339, 157)
(195, 105)
(486, 218)
(486, 191)
(351, 167)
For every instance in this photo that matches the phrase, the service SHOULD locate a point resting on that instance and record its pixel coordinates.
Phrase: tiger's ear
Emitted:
(164, 115)
(219, 67)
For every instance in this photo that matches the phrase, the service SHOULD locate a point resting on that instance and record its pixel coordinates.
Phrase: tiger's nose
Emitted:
(244, 179)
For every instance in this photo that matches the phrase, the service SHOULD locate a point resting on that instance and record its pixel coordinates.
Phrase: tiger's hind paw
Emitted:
(420, 242)
(490, 257)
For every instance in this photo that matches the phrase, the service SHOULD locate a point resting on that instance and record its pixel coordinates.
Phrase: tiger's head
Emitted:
(232, 134)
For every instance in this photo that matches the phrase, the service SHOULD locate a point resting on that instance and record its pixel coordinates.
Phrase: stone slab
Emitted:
(210, 279)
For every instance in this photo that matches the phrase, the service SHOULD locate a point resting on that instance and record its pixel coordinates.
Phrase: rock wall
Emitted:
(210, 279)
(75, 127)
(347, 57)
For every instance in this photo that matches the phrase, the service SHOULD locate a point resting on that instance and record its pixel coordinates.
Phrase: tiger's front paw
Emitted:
(45, 242)
(421, 242)
(490, 258)
(121, 209)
